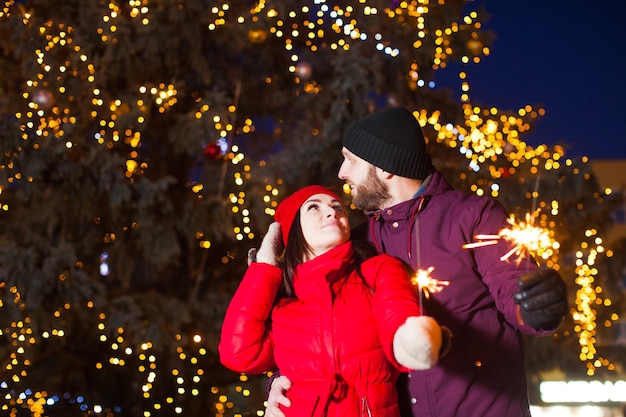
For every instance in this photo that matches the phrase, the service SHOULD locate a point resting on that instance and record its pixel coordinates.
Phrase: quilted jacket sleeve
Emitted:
(246, 339)
(394, 298)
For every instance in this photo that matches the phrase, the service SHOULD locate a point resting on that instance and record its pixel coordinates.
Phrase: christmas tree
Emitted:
(145, 145)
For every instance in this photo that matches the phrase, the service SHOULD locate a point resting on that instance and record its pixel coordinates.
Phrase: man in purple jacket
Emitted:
(415, 215)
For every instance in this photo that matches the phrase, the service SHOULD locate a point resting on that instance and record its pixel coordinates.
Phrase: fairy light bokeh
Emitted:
(486, 133)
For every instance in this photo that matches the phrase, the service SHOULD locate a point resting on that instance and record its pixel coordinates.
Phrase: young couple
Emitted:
(342, 325)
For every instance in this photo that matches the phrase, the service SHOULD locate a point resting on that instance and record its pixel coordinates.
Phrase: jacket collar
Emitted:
(316, 274)
(434, 184)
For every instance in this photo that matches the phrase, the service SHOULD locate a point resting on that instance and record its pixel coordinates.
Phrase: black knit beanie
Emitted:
(390, 139)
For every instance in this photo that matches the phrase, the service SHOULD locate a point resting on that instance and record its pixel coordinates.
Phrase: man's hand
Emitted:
(542, 298)
(280, 386)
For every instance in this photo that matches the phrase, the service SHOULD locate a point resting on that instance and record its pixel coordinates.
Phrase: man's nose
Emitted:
(342, 172)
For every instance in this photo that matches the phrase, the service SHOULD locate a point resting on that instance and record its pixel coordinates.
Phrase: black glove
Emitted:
(542, 297)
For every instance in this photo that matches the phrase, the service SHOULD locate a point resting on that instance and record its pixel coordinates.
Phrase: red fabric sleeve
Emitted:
(246, 339)
(394, 299)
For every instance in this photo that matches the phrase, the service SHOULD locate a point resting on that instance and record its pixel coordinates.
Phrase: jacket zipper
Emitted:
(365, 408)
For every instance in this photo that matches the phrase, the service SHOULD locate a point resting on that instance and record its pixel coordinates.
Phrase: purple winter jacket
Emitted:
(483, 375)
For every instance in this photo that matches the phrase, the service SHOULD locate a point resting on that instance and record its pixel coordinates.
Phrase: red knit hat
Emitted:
(288, 208)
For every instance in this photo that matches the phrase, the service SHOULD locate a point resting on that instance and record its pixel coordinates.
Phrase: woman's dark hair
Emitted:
(297, 250)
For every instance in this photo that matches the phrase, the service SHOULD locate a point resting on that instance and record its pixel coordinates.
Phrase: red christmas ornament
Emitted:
(212, 151)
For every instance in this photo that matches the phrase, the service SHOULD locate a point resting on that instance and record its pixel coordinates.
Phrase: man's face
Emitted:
(368, 191)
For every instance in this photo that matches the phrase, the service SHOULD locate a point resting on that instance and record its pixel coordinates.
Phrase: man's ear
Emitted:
(382, 174)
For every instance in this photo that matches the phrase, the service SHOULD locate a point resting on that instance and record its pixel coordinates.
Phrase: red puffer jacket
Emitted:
(334, 342)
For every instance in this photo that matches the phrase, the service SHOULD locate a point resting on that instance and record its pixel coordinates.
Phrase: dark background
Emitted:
(567, 56)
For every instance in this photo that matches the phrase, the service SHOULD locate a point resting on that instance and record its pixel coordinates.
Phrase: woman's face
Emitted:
(324, 223)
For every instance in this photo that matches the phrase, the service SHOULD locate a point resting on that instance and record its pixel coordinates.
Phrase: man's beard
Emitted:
(372, 194)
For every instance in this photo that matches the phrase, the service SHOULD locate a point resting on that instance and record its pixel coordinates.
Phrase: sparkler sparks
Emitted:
(525, 236)
(426, 283)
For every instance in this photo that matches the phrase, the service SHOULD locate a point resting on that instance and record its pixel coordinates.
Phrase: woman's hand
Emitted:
(271, 246)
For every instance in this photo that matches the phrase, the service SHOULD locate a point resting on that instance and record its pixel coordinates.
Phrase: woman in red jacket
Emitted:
(339, 326)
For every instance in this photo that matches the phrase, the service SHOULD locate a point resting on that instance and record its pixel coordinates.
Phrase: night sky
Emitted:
(567, 56)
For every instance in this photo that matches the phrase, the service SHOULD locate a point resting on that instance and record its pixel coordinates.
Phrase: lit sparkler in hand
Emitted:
(427, 284)
(525, 237)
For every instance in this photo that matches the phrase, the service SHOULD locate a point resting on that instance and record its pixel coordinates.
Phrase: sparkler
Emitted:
(426, 284)
(525, 236)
